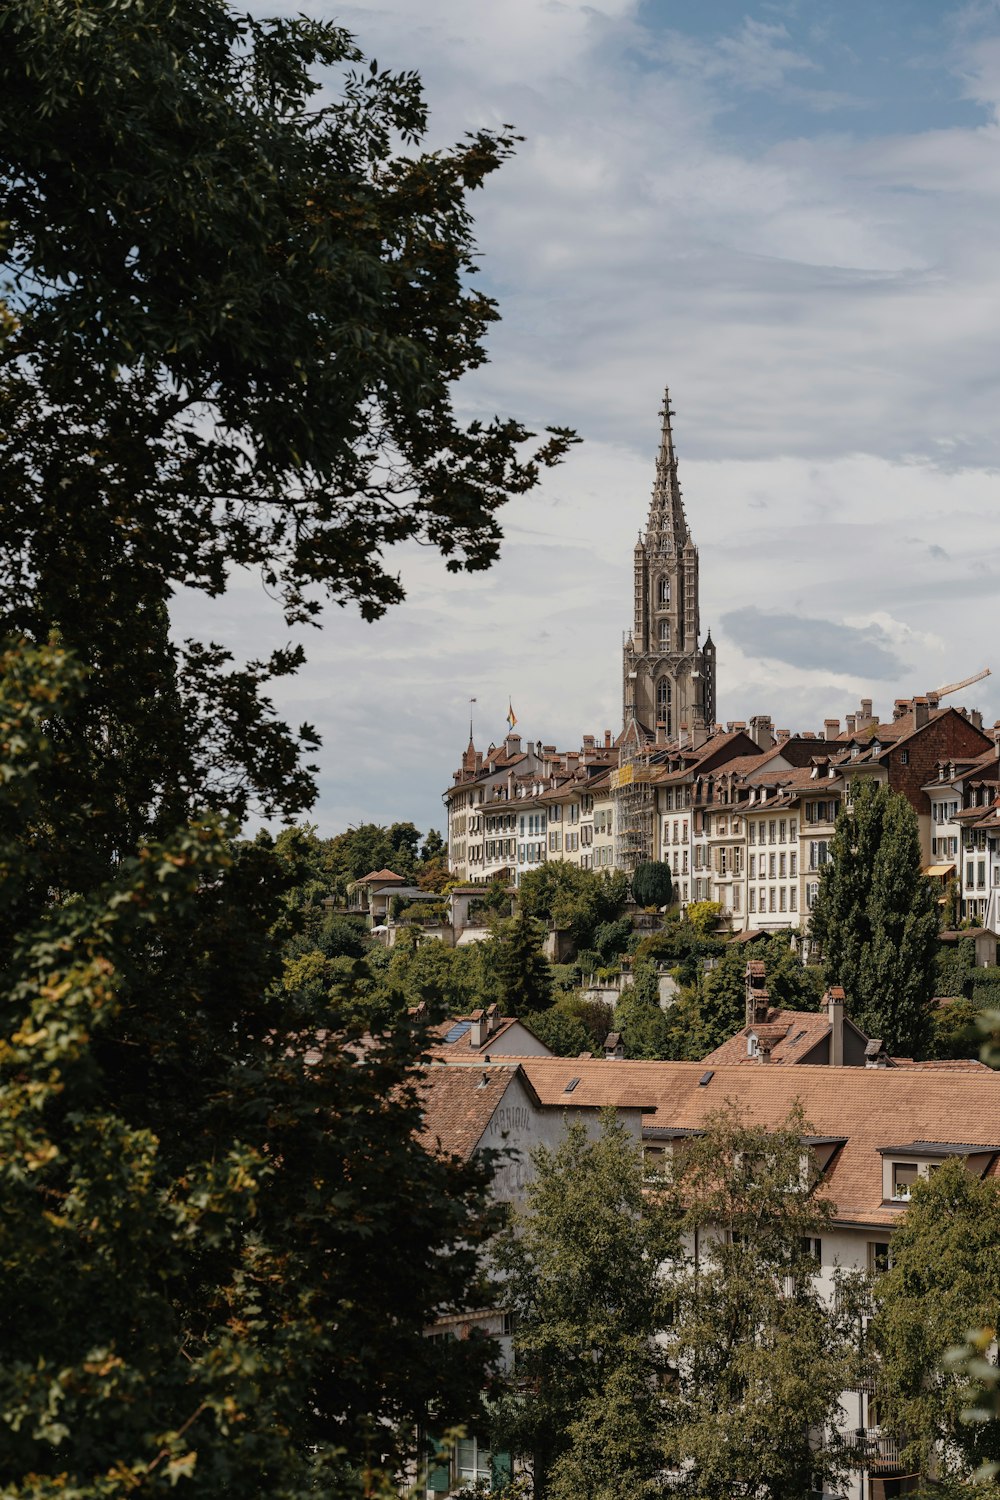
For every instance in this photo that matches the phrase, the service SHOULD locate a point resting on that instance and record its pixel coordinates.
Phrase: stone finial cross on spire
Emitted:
(667, 529)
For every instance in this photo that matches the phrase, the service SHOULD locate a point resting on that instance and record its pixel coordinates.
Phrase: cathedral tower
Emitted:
(668, 678)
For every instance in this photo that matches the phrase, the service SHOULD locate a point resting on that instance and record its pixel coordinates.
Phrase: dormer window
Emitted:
(904, 1175)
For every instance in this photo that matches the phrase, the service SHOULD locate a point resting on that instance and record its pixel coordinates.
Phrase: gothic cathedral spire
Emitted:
(669, 679)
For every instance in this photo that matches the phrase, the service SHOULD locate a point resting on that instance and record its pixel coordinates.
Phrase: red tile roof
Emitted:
(872, 1107)
(793, 1033)
(459, 1104)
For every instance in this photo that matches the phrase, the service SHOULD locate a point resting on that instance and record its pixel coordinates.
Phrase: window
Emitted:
(664, 703)
(753, 867)
(752, 832)
(812, 895)
(663, 592)
(879, 1257)
(793, 900)
(772, 833)
(753, 901)
(813, 1248)
(818, 854)
(472, 1460)
(904, 1175)
(981, 875)
(782, 831)
(772, 867)
(904, 757)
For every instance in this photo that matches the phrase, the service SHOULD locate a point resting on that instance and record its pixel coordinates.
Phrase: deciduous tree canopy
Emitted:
(237, 308)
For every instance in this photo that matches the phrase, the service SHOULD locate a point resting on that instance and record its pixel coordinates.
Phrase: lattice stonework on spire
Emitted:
(668, 677)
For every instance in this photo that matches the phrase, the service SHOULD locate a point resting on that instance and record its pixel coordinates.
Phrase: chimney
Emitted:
(900, 708)
(782, 735)
(478, 1031)
(492, 1018)
(607, 739)
(613, 1049)
(758, 1001)
(875, 1055)
(866, 709)
(834, 1000)
(975, 718)
(852, 723)
(921, 712)
(512, 744)
(761, 731)
(831, 728)
(764, 1045)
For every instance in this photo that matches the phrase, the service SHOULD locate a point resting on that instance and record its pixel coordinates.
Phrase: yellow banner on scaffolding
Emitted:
(622, 777)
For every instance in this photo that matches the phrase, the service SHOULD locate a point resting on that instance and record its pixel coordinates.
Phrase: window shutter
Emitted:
(501, 1470)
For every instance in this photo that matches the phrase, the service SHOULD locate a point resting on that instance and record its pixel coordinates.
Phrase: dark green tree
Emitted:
(564, 1033)
(200, 1190)
(572, 899)
(236, 313)
(652, 884)
(944, 1280)
(581, 1273)
(644, 1027)
(761, 1361)
(877, 919)
(516, 975)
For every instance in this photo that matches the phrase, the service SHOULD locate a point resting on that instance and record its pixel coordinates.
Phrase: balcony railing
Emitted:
(872, 1449)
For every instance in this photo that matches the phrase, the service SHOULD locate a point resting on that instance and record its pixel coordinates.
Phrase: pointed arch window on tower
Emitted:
(663, 592)
(665, 704)
(664, 635)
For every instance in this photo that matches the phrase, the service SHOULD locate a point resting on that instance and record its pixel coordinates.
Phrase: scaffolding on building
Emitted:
(634, 793)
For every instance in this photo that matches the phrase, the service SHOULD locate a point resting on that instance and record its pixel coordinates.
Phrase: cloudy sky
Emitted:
(790, 214)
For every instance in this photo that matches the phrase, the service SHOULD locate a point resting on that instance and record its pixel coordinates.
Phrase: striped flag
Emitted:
(511, 716)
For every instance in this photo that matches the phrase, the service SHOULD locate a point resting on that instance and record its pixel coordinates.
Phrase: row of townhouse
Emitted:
(745, 817)
(513, 807)
(873, 1132)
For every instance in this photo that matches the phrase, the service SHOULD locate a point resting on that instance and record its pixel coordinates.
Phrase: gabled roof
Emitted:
(460, 1044)
(794, 1033)
(380, 877)
(867, 1107)
(459, 1104)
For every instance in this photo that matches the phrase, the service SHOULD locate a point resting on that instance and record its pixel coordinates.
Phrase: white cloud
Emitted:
(823, 306)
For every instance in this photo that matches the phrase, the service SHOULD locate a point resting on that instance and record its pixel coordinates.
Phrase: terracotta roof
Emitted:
(380, 875)
(944, 1064)
(871, 1107)
(459, 1103)
(793, 1034)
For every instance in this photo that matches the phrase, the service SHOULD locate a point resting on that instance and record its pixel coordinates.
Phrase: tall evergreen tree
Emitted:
(516, 974)
(877, 920)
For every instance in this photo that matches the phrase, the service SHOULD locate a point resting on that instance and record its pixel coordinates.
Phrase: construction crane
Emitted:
(953, 687)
